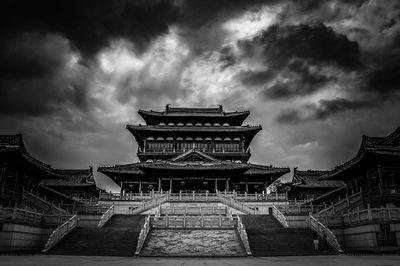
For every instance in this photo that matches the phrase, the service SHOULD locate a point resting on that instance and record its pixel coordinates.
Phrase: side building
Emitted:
(193, 149)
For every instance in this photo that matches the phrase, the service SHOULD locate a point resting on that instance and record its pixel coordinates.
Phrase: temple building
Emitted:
(193, 149)
(374, 171)
(23, 178)
(308, 185)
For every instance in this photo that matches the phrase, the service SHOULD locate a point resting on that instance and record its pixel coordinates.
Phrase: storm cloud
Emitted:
(316, 74)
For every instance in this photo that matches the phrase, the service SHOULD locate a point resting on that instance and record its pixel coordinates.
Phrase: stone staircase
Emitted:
(118, 237)
(195, 243)
(267, 237)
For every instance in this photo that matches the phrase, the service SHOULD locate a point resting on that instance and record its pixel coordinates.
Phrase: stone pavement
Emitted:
(40, 260)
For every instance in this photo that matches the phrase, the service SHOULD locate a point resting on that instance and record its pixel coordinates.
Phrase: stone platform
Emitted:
(187, 242)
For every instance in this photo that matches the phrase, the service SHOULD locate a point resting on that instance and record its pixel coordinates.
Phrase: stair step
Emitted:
(117, 238)
(267, 237)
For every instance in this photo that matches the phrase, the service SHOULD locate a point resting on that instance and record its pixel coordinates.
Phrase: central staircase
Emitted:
(267, 237)
(118, 237)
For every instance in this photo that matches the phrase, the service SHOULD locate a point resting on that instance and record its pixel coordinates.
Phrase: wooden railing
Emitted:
(243, 235)
(60, 232)
(235, 204)
(106, 216)
(143, 235)
(324, 233)
(279, 216)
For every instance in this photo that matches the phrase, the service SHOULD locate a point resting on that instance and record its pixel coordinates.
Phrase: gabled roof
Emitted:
(312, 179)
(389, 145)
(194, 155)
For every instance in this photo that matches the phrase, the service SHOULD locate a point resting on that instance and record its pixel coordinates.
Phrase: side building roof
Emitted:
(384, 146)
(312, 179)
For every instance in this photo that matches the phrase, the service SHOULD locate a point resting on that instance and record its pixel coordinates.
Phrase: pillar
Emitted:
(140, 186)
(247, 186)
(227, 184)
(216, 185)
(3, 177)
(159, 184)
(170, 184)
(16, 180)
(121, 184)
(380, 179)
(368, 182)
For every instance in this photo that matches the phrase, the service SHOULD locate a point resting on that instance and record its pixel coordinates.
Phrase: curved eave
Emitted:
(142, 132)
(32, 163)
(156, 117)
(387, 151)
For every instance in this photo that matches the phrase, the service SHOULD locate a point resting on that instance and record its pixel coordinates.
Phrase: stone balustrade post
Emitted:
(369, 212)
(388, 212)
(193, 194)
(166, 220)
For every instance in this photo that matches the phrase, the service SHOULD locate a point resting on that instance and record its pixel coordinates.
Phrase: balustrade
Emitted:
(60, 232)
(324, 232)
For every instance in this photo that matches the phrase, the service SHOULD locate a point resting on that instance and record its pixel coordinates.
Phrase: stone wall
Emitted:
(16, 237)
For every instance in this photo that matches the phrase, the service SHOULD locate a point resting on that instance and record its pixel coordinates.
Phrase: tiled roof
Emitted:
(312, 179)
(15, 143)
(140, 167)
(389, 145)
(78, 177)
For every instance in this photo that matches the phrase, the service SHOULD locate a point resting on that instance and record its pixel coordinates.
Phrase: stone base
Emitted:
(182, 243)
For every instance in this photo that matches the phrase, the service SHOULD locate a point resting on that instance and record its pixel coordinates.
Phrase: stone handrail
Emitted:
(106, 216)
(150, 204)
(324, 231)
(231, 202)
(341, 204)
(243, 235)
(279, 216)
(60, 232)
(143, 235)
(47, 206)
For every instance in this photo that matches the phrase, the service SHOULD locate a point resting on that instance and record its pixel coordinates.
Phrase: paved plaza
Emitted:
(40, 260)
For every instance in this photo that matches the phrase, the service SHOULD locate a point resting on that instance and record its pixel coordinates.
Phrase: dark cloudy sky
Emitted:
(315, 74)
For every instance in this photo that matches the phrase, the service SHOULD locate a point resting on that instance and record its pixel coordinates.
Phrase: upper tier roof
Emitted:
(193, 115)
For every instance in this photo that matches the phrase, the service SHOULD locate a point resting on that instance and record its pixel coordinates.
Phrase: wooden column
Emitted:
(227, 184)
(159, 184)
(3, 177)
(380, 179)
(121, 186)
(368, 182)
(247, 186)
(216, 185)
(140, 186)
(16, 180)
(170, 184)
